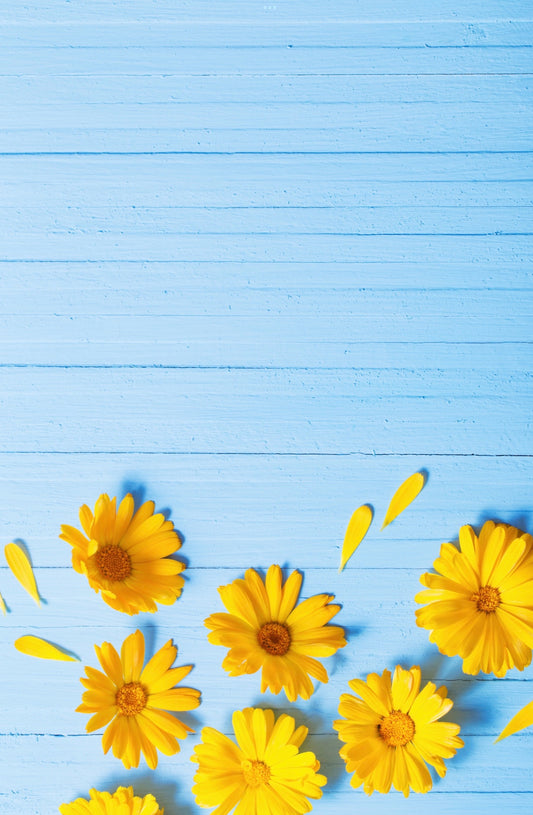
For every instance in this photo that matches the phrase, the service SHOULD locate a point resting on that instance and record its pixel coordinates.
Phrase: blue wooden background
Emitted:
(261, 261)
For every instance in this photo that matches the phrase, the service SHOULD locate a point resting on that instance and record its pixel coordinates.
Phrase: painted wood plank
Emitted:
(119, 90)
(275, 504)
(250, 116)
(210, 171)
(237, 345)
(191, 411)
(323, 33)
(238, 10)
(52, 288)
(212, 127)
(77, 291)
(411, 310)
(416, 249)
(360, 220)
(303, 180)
(111, 342)
(275, 62)
(416, 306)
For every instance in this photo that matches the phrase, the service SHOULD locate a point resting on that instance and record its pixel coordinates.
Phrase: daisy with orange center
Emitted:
(391, 732)
(133, 701)
(263, 773)
(121, 802)
(479, 605)
(124, 554)
(266, 629)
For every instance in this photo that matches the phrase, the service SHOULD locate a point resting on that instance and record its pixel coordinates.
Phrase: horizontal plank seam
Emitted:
(269, 47)
(310, 368)
(279, 234)
(288, 75)
(256, 454)
(365, 153)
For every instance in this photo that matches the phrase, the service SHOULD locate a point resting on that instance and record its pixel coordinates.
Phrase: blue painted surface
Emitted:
(260, 262)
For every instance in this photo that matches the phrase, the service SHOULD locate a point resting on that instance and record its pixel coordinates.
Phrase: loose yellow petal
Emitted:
(3, 605)
(356, 531)
(404, 495)
(36, 647)
(20, 565)
(524, 718)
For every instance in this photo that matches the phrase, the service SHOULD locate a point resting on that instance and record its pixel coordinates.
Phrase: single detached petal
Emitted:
(404, 495)
(37, 647)
(3, 605)
(524, 718)
(19, 563)
(356, 531)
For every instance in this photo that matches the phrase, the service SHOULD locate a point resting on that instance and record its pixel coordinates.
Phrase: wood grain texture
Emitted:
(260, 262)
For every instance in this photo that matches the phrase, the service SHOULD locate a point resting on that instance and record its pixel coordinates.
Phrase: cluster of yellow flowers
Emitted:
(477, 605)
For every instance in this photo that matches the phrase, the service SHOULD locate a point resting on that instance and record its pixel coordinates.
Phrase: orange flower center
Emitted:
(255, 773)
(396, 729)
(487, 599)
(274, 638)
(113, 562)
(131, 699)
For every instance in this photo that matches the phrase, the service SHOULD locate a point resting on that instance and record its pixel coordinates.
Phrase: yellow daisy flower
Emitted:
(480, 602)
(266, 629)
(263, 774)
(124, 554)
(121, 802)
(391, 732)
(133, 701)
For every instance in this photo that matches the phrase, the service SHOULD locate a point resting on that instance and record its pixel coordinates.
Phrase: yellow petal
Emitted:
(36, 647)
(3, 605)
(356, 531)
(404, 495)
(524, 718)
(20, 565)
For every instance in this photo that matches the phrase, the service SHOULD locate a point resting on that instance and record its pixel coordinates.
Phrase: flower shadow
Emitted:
(136, 490)
(344, 656)
(148, 629)
(522, 520)
(138, 493)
